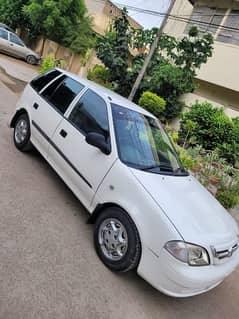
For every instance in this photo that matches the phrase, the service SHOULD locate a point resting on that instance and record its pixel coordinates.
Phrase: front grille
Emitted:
(226, 253)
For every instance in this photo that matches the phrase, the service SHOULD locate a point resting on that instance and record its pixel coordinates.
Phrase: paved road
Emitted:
(17, 68)
(48, 267)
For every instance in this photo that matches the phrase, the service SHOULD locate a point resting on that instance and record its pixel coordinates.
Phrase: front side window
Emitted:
(16, 40)
(3, 34)
(90, 115)
(62, 92)
(143, 144)
(42, 80)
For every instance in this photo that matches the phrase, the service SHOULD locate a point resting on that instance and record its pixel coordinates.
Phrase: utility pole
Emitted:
(150, 55)
(145, 65)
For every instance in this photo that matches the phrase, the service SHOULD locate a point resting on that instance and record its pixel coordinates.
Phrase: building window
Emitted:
(230, 36)
(206, 19)
(214, 20)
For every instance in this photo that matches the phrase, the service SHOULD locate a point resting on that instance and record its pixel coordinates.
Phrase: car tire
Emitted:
(117, 240)
(31, 59)
(22, 133)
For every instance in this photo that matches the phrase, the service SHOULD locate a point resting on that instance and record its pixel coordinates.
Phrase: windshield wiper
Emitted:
(161, 167)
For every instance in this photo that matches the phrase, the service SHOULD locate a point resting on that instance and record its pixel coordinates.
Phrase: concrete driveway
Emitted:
(48, 267)
(18, 69)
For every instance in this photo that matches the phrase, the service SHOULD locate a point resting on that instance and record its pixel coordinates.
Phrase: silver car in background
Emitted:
(11, 44)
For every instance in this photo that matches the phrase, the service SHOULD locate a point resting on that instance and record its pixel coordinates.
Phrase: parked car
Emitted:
(150, 214)
(4, 26)
(11, 44)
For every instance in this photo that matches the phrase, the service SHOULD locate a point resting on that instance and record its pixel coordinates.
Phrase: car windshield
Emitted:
(143, 144)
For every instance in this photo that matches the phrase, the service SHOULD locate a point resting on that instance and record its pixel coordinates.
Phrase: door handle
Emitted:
(11, 45)
(36, 106)
(63, 133)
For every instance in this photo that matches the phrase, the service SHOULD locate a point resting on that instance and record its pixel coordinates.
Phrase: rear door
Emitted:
(49, 106)
(16, 46)
(4, 42)
(82, 166)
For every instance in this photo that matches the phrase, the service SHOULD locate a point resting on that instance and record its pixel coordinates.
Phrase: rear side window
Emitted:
(3, 34)
(16, 40)
(62, 92)
(42, 80)
(90, 115)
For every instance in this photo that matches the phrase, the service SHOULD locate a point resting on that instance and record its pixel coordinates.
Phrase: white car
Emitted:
(149, 213)
(11, 44)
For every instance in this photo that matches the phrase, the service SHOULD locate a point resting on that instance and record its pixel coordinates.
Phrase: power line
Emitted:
(208, 24)
(177, 17)
(153, 12)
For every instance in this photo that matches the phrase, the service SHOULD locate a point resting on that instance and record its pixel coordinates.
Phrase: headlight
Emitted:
(188, 253)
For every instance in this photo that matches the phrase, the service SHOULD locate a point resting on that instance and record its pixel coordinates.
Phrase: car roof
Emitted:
(5, 27)
(108, 94)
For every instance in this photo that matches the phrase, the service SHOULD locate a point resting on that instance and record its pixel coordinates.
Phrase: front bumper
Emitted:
(177, 279)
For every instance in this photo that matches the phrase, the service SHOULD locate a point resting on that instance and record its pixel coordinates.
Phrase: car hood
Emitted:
(196, 214)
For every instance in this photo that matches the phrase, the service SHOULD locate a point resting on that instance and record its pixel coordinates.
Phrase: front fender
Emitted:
(15, 116)
(120, 187)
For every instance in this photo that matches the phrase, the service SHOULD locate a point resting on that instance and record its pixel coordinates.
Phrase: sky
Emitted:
(146, 20)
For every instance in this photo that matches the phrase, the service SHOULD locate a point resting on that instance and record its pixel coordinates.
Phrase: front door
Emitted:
(82, 166)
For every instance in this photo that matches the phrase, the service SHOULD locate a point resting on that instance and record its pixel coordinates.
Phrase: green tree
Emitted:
(63, 21)
(100, 74)
(193, 50)
(113, 50)
(11, 13)
(168, 81)
(174, 65)
(171, 71)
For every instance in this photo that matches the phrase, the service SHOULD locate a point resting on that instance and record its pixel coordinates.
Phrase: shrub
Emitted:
(229, 151)
(213, 127)
(212, 171)
(235, 130)
(221, 179)
(152, 103)
(50, 62)
(228, 198)
(187, 160)
(100, 75)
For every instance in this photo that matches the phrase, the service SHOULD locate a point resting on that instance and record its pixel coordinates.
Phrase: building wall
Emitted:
(218, 3)
(217, 79)
(94, 6)
(218, 96)
(112, 11)
(100, 19)
(223, 67)
(174, 27)
(103, 12)
(73, 62)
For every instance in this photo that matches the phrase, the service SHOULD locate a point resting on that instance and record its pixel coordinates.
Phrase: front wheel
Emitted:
(117, 240)
(22, 133)
(31, 59)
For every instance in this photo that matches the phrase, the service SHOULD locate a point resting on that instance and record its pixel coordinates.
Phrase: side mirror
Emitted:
(98, 140)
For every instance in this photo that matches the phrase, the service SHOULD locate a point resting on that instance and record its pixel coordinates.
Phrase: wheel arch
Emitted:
(16, 115)
(99, 209)
(136, 258)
